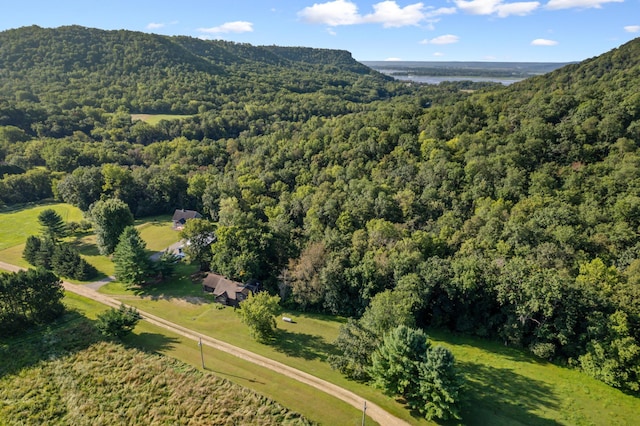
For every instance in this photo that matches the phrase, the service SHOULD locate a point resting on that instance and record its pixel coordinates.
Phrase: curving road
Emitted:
(374, 411)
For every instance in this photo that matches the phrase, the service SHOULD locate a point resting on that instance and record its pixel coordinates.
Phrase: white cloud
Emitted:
(155, 25)
(443, 39)
(580, 4)
(497, 7)
(440, 11)
(520, 8)
(229, 27)
(387, 12)
(543, 42)
(632, 28)
(333, 13)
(438, 54)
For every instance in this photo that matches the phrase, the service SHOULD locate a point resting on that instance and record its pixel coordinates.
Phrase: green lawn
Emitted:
(17, 225)
(157, 232)
(294, 395)
(504, 386)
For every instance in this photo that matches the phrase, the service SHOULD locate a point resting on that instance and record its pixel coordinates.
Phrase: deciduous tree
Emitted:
(110, 217)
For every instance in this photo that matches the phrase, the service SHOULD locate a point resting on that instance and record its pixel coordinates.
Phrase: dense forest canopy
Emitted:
(510, 213)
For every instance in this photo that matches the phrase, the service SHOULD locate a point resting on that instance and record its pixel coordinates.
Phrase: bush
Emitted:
(118, 322)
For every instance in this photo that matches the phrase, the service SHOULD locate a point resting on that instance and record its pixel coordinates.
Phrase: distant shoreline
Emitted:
(436, 72)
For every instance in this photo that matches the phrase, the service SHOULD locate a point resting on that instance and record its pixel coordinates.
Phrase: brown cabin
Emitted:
(180, 217)
(227, 292)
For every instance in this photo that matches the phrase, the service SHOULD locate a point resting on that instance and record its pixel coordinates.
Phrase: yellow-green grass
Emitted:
(294, 395)
(156, 118)
(157, 232)
(506, 386)
(17, 225)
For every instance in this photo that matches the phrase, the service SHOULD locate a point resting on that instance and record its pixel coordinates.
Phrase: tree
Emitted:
(118, 322)
(132, 263)
(52, 224)
(110, 217)
(438, 393)
(258, 312)
(356, 344)
(394, 365)
(199, 235)
(28, 297)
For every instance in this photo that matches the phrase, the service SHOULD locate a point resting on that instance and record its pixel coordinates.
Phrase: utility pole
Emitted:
(364, 411)
(201, 354)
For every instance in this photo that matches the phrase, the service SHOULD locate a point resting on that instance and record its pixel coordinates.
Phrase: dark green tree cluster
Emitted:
(406, 364)
(28, 298)
(50, 252)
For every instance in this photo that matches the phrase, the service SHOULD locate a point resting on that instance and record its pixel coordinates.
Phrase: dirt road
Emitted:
(373, 410)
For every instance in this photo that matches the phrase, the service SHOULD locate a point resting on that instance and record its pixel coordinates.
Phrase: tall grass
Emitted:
(68, 375)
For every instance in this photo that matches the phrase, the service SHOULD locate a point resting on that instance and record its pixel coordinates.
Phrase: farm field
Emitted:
(156, 118)
(190, 382)
(504, 386)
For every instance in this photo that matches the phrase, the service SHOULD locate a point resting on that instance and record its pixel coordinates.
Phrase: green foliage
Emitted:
(118, 322)
(130, 258)
(199, 234)
(61, 258)
(27, 298)
(110, 217)
(355, 344)
(438, 395)
(258, 312)
(53, 227)
(395, 363)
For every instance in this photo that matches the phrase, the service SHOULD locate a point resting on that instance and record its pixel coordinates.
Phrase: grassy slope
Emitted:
(292, 394)
(17, 225)
(90, 382)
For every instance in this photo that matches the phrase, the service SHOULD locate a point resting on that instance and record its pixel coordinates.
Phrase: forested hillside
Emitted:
(510, 213)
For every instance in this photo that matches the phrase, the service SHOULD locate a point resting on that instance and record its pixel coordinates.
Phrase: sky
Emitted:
(429, 30)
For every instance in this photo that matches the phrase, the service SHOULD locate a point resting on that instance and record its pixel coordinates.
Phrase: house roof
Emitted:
(221, 285)
(183, 215)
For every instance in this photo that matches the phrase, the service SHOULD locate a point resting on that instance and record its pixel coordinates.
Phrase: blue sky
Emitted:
(429, 30)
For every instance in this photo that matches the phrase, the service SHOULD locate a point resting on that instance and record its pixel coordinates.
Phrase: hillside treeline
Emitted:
(509, 213)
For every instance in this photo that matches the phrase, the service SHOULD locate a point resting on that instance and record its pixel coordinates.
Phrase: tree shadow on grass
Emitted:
(150, 342)
(502, 396)
(87, 249)
(70, 333)
(302, 345)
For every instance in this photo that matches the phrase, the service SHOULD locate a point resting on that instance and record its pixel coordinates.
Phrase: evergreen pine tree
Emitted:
(132, 263)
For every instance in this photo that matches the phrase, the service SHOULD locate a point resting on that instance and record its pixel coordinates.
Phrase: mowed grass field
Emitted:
(131, 391)
(504, 386)
(154, 119)
(17, 225)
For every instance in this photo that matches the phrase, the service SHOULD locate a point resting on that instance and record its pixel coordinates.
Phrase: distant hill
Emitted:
(150, 73)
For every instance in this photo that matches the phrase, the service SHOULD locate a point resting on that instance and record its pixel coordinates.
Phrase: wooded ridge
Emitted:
(509, 213)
